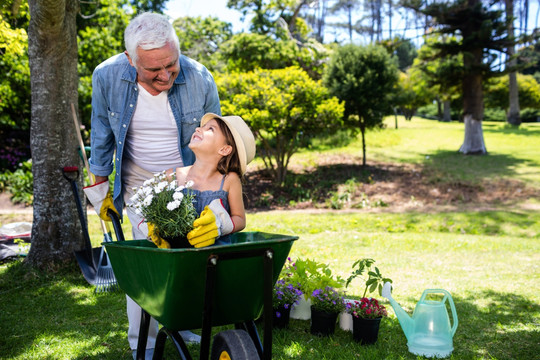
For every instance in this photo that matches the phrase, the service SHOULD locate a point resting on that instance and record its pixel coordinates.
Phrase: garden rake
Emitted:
(105, 279)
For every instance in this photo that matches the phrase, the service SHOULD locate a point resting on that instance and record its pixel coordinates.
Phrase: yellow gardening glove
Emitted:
(100, 197)
(214, 222)
(152, 236)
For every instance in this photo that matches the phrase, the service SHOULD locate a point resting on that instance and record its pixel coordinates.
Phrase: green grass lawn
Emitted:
(513, 152)
(487, 260)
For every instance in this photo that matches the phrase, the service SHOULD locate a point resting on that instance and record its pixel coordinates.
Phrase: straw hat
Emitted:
(243, 137)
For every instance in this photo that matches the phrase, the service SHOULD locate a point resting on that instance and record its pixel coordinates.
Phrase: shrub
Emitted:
(530, 115)
(20, 184)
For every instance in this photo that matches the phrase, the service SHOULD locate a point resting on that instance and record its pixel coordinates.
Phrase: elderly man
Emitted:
(146, 104)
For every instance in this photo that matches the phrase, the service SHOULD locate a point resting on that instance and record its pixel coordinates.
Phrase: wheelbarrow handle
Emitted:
(116, 225)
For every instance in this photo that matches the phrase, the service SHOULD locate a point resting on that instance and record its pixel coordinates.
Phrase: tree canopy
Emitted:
(285, 108)
(363, 77)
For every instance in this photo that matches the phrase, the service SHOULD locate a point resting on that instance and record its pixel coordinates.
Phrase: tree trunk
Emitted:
(473, 97)
(363, 131)
(473, 111)
(446, 111)
(52, 53)
(513, 111)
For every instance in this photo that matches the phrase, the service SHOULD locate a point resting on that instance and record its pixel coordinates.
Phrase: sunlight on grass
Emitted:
(511, 152)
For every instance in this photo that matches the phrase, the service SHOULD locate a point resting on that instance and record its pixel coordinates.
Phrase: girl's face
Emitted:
(209, 137)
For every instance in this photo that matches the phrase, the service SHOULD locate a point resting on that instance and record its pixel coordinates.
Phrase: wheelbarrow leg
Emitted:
(177, 340)
(143, 334)
(251, 329)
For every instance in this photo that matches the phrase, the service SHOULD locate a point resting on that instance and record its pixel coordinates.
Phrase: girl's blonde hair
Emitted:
(231, 162)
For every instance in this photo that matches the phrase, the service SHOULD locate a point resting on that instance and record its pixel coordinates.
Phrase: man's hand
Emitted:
(152, 236)
(100, 197)
(213, 223)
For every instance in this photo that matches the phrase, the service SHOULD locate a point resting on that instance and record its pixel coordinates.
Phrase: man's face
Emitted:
(157, 68)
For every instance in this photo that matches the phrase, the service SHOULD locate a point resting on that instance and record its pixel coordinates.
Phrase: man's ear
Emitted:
(225, 150)
(129, 58)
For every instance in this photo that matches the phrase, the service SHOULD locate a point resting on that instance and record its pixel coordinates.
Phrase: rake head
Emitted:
(105, 279)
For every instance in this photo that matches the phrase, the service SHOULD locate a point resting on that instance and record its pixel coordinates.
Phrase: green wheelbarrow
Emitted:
(192, 288)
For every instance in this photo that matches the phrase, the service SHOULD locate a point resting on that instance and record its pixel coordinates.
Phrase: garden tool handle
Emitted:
(67, 171)
(104, 226)
(446, 297)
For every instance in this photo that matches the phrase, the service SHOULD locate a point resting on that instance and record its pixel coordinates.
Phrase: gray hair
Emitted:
(149, 31)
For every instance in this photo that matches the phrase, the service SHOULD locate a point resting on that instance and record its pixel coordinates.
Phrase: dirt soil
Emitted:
(377, 187)
(384, 187)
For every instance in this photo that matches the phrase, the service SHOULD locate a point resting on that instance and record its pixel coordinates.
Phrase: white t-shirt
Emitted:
(152, 137)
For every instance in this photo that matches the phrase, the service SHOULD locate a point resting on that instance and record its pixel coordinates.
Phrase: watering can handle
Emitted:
(448, 297)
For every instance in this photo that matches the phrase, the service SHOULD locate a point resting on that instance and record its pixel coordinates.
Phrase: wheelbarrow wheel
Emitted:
(233, 345)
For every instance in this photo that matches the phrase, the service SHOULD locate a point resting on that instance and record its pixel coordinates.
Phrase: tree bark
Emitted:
(513, 110)
(473, 96)
(52, 53)
(446, 111)
(473, 112)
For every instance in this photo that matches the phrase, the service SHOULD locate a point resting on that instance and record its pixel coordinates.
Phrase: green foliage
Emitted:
(311, 275)
(491, 114)
(363, 77)
(403, 49)
(15, 79)
(375, 280)
(265, 14)
(202, 38)
(409, 94)
(249, 51)
(164, 204)
(20, 184)
(496, 94)
(285, 109)
(99, 37)
(433, 78)
(530, 115)
(529, 58)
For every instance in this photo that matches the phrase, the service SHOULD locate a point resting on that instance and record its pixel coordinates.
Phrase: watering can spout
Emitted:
(406, 322)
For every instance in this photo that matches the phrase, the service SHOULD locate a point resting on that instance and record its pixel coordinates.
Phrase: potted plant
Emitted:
(164, 204)
(311, 275)
(367, 312)
(285, 294)
(366, 318)
(326, 304)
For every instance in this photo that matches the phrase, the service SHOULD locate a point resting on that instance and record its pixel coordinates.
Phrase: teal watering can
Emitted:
(428, 331)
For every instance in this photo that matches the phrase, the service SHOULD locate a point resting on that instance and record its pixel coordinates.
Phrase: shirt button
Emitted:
(135, 88)
(120, 142)
(124, 125)
(112, 114)
(194, 119)
(130, 105)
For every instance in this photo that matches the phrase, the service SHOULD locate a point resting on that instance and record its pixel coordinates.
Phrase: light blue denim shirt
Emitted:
(114, 97)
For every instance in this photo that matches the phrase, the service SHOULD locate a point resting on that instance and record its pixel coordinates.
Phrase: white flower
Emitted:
(189, 184)
(138, 211)
(172, 185)
(160, 187)
(134, 198)
(178, 196)
(148, 200)
(173, 205)
(148, 182)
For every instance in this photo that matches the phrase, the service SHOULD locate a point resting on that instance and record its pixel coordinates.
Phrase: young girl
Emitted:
(223, 146)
